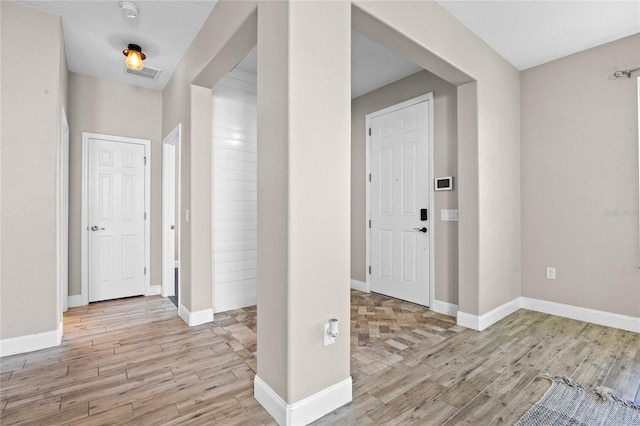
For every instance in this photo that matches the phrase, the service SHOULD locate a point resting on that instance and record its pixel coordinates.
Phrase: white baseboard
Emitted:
(154, 290)
(270, 400)
(307, 410)
(359, 285)
(75, 300)
(195, 318)
(445, 308)
(607, 319)
(593, 316)
(31, 342)
(468, 320)
(480, 322)
(237, 302)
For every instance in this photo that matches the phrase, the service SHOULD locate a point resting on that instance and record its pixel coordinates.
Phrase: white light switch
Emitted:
(449, 215)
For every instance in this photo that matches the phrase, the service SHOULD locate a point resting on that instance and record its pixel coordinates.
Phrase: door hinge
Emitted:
(145, 270)
(369, 131)
(145, 160)
(145, 215)
(369, 177)
(369, 223)
(369, 270)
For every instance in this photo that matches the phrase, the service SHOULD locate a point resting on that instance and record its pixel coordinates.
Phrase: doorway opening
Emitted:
(234, 210)
(170, 211)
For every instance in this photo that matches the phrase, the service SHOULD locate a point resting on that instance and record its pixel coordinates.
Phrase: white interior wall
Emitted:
(234, 193)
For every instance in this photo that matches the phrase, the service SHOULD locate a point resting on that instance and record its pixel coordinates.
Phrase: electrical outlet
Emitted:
(551, 273)
(328, 340)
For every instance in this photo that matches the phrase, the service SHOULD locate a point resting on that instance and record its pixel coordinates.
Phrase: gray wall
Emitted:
(32, 97)
(580, 179)
(445, 164)
(102, 106)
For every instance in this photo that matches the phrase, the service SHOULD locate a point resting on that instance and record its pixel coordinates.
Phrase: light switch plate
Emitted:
(449, 215)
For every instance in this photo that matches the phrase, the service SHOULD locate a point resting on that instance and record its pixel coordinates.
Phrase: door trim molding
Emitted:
(424, 98)
(84, 223)
(63, 211)
(168, 265)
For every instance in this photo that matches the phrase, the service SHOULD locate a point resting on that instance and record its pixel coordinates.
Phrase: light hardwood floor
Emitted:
(134, 361)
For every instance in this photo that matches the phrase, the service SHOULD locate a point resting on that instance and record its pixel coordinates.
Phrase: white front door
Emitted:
(399, 162)
(116, 219)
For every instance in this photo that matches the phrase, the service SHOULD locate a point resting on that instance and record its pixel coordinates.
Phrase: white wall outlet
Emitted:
(328, 340)
(551, 273)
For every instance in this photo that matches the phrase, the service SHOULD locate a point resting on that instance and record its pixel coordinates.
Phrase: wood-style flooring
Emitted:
(133, 361)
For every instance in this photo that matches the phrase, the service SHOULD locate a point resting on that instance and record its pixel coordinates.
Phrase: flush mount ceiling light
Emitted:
(129, 10)
(134, 57)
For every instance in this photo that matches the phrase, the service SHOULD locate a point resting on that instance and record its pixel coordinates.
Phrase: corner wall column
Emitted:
(304, 72)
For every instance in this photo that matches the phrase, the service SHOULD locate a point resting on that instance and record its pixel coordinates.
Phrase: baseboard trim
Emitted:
(270, 400)
(31, 342)
(231, 303)
(593, 316)
(607, 319)
(445, 308)
(75, 300)
(195, 318)
(359, 285)
(468, 320)
(154, 290)
(480, 322)
(304, 411)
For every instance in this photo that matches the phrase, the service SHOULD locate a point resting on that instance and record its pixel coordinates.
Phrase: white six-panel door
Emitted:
(399, 165)
(116, 219)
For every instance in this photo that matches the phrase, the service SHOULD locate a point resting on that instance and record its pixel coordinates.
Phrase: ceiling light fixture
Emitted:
(134, 57)
(129, 10)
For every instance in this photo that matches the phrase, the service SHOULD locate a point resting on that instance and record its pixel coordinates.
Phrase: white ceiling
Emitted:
(526, 33)
(96, 32)
(530, 33)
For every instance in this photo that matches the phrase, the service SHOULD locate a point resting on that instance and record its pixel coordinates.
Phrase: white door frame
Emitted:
(84, 226)
(63, 209)
(424, 98)
(170, 194)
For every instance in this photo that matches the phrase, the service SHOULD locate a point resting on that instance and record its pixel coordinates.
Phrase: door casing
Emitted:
(424, 98)
(84, 226)
(63, 207)
(170, 197)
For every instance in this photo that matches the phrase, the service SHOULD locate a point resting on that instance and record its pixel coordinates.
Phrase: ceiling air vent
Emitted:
(146, 72)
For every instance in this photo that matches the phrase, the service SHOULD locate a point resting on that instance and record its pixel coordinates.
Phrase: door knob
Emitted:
(423, 229)
(95, 228)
